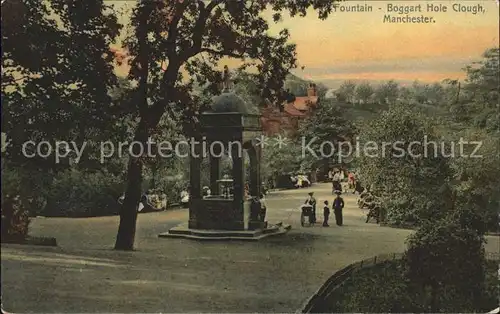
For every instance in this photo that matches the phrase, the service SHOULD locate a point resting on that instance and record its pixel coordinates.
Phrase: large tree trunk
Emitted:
(150, 117)
(434, 298)
(128, 213)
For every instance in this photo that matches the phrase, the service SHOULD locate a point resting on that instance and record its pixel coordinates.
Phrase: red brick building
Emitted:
(287, 118)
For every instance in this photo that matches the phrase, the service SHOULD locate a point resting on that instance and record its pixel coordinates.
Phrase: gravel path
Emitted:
(277, 274)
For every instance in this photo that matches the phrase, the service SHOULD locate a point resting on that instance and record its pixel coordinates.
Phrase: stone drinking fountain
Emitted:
(223, 215)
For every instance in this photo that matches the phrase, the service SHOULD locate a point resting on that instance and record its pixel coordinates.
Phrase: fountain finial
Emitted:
(226, 83)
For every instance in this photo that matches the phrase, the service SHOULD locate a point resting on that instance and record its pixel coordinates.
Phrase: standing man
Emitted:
(338, 205)
(312, 202)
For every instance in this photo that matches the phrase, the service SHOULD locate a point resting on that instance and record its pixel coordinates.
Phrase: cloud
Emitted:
(416, 66)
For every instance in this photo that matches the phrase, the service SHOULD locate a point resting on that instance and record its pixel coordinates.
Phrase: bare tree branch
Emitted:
(173, 30)
(199, 28)
(9, 81)
(213, 4)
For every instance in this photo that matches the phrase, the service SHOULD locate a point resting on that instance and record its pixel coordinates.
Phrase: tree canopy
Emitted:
(57, 72)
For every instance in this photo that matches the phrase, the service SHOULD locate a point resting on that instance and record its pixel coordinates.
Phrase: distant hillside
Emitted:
(360, 114)
(298, 86)
(293, 77)
(335, 84)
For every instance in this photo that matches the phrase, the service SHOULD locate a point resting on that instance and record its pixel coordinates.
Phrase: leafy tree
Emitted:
(482, 79)
(452, 91)
(476, 183)
(282, 160)
(476, 103)
(194, 36)
(387, 93)
(75, 193)
(405, 95)
(410, 178)
(325, 129)
(57, 73)
(246, 86)
(432, 94)
(435, 94)
(156, 165)
(364, 92)
(347, 91)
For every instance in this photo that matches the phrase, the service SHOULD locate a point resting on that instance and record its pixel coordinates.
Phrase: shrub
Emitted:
(30, 184)
(446, 260)
(384, 288)
(400, 211)
(15, 218)
(478, 181)
(82, 194)
(173, 189)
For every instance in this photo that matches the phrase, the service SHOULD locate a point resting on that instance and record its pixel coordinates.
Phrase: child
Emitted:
(326, 214)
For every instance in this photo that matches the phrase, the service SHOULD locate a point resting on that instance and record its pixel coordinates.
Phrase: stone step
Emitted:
(182, 231)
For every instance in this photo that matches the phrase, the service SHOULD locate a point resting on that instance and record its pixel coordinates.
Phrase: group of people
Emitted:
(337, 176)
(373, 203)
(151, 200)
(300, 181)
(337, 204)
(186, 194)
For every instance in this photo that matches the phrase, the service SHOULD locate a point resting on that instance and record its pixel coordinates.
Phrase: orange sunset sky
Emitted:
(359, 46)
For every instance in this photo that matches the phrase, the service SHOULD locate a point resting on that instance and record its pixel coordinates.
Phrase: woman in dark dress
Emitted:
(312, 202)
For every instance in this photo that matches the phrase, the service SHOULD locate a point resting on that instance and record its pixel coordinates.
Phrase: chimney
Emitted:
(311, 90)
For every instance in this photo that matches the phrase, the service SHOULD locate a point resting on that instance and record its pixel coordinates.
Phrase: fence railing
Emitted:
(317, 301)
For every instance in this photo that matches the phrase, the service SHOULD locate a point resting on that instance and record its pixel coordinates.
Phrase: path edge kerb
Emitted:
(339, 277)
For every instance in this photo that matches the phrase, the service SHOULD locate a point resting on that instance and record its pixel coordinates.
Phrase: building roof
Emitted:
(291, 110)
(303, 103)
(274, 121)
